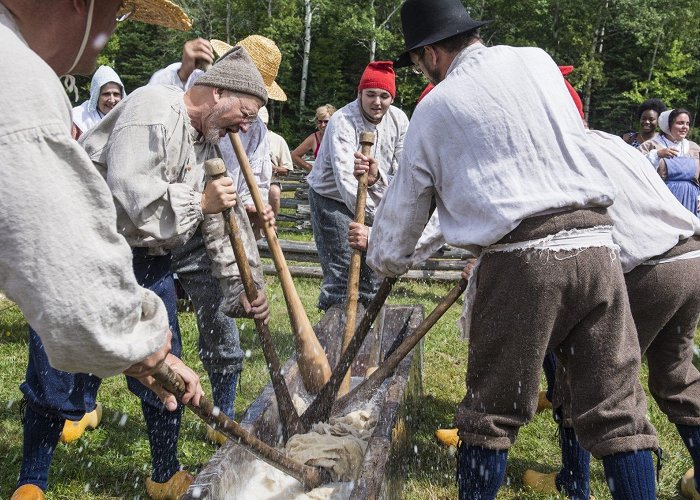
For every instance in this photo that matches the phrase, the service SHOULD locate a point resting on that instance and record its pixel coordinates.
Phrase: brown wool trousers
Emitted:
(665, 303)
(574, 302)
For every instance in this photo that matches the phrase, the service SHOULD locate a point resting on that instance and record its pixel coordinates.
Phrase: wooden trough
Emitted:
(381, 475)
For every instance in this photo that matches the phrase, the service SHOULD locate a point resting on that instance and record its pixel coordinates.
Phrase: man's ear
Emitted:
(431, 54)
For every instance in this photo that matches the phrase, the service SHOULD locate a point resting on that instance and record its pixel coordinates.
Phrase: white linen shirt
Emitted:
(61, 258)
(648, 219)
(279, 151)
(254, 141)
(498, 141)
(147, 150)
(333, 173)
(150, 155)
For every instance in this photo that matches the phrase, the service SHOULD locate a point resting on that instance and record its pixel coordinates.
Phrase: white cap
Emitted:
(264, 115)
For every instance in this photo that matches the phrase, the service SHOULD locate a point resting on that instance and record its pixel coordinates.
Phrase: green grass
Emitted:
(113, 460)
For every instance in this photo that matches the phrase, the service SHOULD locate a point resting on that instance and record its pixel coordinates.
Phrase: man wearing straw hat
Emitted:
(219, 343)
(150, 150)
(66, 267)
(530, 199)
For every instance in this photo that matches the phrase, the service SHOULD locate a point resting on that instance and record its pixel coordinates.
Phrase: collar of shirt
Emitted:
(463, 54)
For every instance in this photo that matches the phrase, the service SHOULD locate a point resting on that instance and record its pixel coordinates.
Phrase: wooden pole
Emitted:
(311, 358)
(291, 424)
(310, 477)
(319, 410)
(365, 390)
(366, 140)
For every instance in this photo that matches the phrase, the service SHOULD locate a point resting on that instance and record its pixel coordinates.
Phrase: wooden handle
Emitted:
(291, 424)
(366, 140)
(310, 477)
(365, 390)
(311, 358)
(319, 410)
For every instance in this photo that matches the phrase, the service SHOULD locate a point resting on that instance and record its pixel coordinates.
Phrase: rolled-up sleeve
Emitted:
(159, 208)
(400, 220)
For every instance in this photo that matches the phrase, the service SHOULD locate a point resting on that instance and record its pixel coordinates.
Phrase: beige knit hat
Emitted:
(266, 56)
(235, 71)
(160, 12)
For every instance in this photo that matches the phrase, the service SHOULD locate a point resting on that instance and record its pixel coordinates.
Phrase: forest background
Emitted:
(623, 51)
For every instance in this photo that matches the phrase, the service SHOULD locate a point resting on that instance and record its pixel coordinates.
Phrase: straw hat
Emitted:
(265, 55)
(160, 12)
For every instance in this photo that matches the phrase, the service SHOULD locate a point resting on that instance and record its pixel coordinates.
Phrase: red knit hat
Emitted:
(379, 75)
(565, 70)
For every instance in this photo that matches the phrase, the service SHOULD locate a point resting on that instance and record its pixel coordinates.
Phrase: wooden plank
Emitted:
(413, 274)
(310, 247)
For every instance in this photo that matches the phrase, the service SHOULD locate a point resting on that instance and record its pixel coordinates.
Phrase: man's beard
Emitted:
(212, 136)
(213, 133)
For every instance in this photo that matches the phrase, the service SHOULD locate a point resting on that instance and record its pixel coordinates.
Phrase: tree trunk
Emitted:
(596, 49)
(653, 57)
(373, 41)
(228, 22)
(308, 15)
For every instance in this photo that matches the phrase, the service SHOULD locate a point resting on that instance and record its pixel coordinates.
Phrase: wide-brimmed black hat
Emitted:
(429, 21)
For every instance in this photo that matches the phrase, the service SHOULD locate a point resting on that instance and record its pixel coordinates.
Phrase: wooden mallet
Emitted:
(366, 141)
(291, 424)
(319, 410)
(311, 358)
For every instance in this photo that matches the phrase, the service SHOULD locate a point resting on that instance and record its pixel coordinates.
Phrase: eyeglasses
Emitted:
(416, 68)
(125, 11)
(248, 117)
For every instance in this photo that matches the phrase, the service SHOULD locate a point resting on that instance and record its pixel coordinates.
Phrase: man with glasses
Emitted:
(151, 150)
(62, 260)
(219, 344)
(333, 186)
(529, 196)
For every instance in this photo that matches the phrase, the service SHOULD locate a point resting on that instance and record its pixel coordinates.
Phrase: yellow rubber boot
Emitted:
(448, 437)
(542, 402)
(172, 489)
(73, 430)
(215, 436)
(688, 485)
(542, 483)
(28, 492)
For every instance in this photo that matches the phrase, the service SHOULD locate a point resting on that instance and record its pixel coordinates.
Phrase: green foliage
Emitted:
(622, 50)
(668, 79)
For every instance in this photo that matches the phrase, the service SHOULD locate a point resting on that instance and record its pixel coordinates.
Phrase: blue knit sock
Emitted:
(549, 366)
(574, 477)
(223, 386)
(630, 475)
(690, 434)
(480, 472)
(163, 431)
(40, 439)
